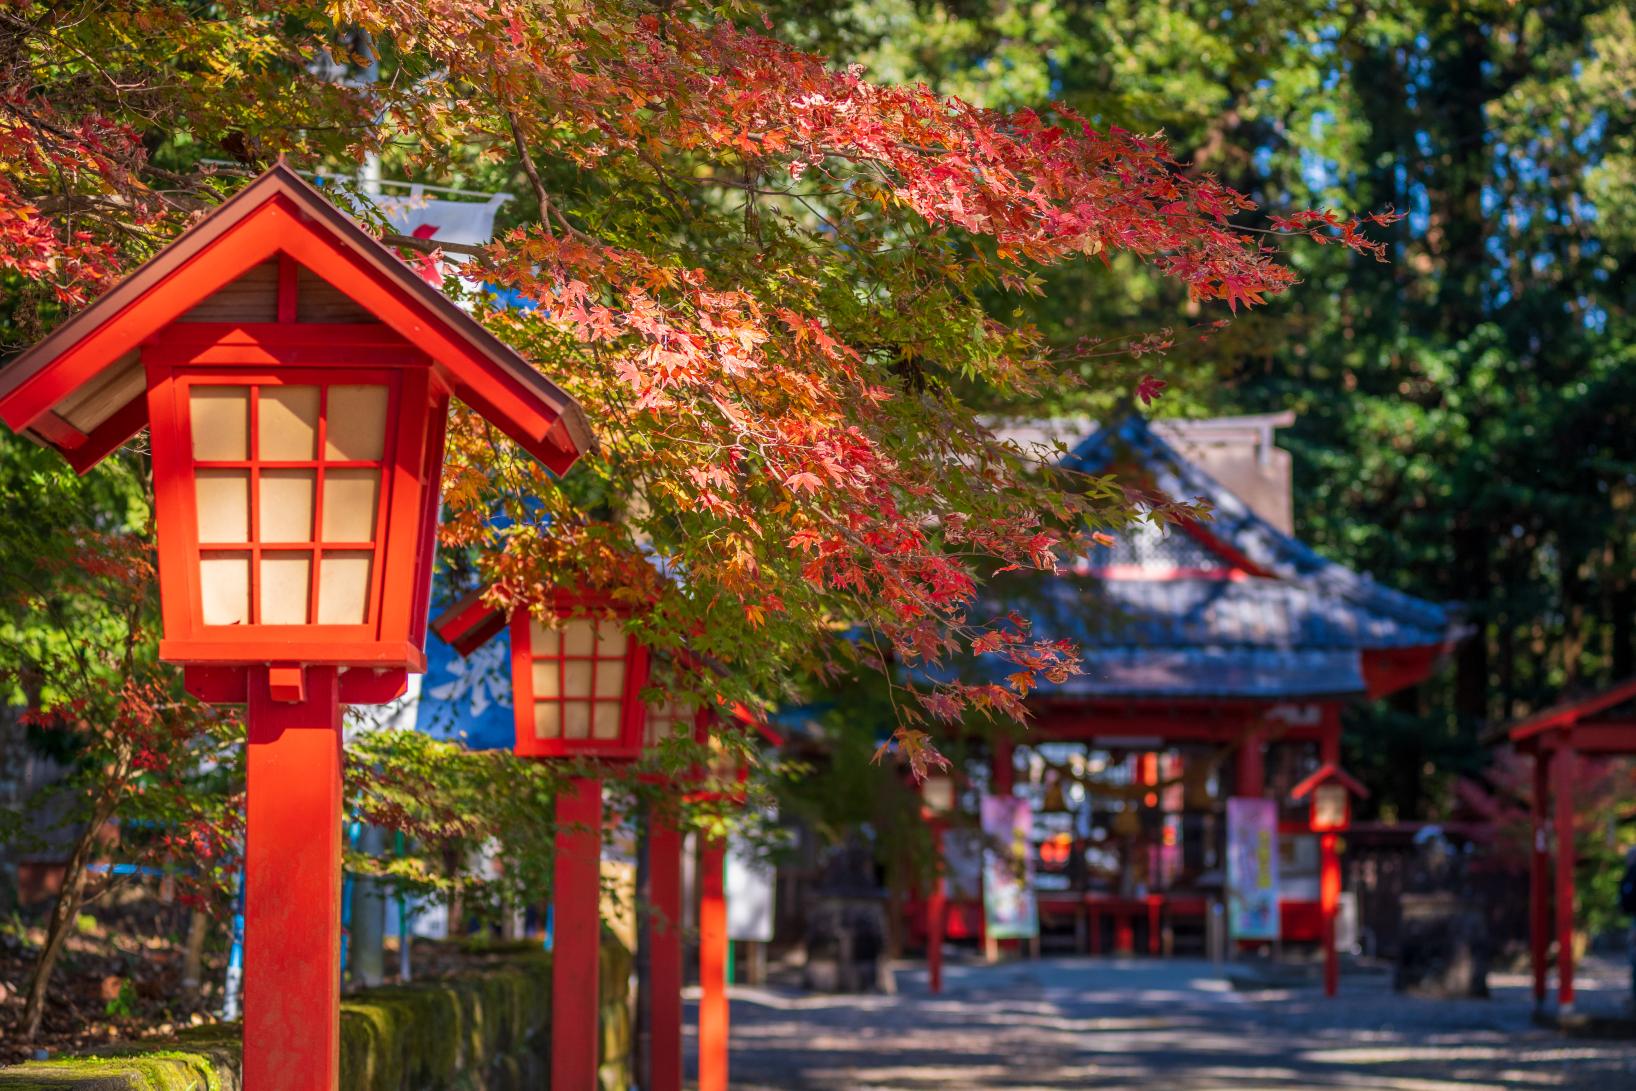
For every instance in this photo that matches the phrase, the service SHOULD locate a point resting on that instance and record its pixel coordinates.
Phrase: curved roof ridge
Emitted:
(1238, 526)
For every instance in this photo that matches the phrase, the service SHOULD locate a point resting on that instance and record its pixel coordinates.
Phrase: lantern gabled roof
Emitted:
(1329, 773)
(81, 390)
(469, 622)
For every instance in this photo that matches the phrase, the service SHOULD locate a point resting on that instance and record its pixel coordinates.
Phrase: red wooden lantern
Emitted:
(576, 689)
(576, 683)
(1331, 790)
(294, 376)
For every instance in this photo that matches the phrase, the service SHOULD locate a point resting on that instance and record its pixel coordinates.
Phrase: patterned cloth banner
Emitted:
(1252, 868)
(468, 699)
(1009, 911)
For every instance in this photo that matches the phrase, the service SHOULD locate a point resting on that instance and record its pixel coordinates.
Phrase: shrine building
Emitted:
(1218, 655)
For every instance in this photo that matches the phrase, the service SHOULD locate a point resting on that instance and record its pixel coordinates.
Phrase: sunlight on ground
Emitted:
(1058, 1024)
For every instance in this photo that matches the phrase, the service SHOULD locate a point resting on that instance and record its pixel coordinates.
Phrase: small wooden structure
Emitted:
(576, 692)
(1329, 792)
(295, 378)
(1601, 724)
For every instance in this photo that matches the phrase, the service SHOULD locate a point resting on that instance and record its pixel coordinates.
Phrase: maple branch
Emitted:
(529, 168)
(548, 210)
(433, 246)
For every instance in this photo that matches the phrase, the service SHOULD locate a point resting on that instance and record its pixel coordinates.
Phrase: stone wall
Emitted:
(487, 1029)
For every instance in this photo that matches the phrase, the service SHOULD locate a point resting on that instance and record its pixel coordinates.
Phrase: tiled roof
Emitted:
(1172, 612)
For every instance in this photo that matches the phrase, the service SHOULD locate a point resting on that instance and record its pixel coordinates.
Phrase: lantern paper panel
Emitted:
(666, 719)
(578, 685)
(288, 491)
(937, 793)
(1331, 807)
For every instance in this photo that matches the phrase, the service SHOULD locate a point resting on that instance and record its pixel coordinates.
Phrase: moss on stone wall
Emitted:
(485, 1030)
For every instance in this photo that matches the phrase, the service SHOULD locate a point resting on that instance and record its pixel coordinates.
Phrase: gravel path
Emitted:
(1165, 1026)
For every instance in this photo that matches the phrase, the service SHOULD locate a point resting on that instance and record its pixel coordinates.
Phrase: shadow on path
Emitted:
(1175, 1025)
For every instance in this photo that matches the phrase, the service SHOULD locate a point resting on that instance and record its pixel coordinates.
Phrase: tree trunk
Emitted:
(198, 927)
(63, 914)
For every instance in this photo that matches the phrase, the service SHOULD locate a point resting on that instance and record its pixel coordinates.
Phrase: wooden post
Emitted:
(1004, 774)
(1539, 875)
(292, 866)
(712, 967)
(937, 905)
(1329, 900)
(1564, 764)
(1251, 772)
(665, 951)
(577, 939)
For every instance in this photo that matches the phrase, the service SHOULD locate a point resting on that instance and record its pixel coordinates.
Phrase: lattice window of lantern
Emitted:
(579, 673)
(288, 486)
(666, 719)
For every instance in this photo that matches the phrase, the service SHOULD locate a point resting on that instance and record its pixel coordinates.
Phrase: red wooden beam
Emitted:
(1570, 712)
(1601, 738)
(665, 951)
(576, 937)
(712, 968)
(292, 868)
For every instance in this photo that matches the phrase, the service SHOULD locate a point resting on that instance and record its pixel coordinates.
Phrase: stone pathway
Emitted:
(1159, 1026)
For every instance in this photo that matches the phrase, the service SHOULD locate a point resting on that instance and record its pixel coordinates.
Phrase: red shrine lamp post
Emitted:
(722, 779)
(1331, 790)
(937, 802)
(295, 378)
(576, 692)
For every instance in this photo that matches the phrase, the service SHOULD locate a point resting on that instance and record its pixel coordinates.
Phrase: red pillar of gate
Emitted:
(936, 911)
(1564, 766)
(1539, 875)
(576, 936)
(712, 968)
(1329, 900)
(292, 880)
(665, 951)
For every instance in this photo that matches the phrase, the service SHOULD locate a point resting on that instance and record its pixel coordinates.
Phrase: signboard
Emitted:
(1252, 868)
(1009, 911)
(749, 894)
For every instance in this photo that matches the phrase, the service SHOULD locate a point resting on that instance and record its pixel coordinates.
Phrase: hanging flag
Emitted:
(1009, 910)
(1252, 868)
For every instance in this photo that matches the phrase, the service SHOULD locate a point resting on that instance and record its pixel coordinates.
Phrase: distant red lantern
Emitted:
(294, 377)
(577, 680)
(1330, 790)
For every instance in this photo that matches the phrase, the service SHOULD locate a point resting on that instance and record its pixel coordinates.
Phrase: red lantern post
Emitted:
(937, 801)
(295, 378)
(724, 778)
(1331, 790)
(576, 692)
